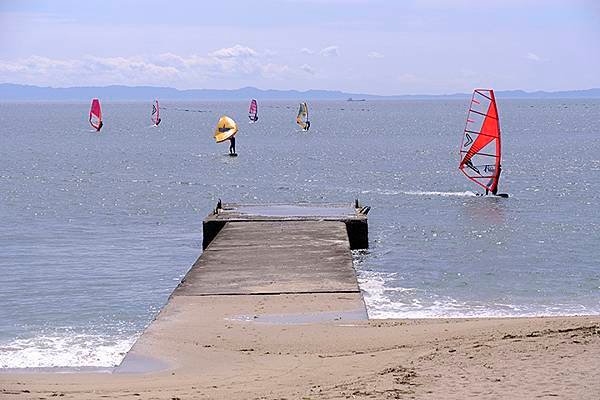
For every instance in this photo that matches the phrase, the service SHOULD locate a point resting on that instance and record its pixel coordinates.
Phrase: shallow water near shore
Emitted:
(98, 229)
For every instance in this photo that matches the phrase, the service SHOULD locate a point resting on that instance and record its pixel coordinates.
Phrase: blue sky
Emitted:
(379, 47)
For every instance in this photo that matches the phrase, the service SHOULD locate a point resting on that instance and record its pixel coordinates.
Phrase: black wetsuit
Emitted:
(232, 145)
(99, 126)
(307, 125)
(495, 190)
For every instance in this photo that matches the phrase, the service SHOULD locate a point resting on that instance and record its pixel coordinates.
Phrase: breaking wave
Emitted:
(64, 350)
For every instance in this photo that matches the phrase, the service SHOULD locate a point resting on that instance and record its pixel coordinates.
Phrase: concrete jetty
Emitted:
(278, 264)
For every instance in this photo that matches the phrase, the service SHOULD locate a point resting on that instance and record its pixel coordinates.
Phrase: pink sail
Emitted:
(96, 115)
(253, 111)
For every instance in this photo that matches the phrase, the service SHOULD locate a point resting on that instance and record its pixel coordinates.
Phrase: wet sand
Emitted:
(243, 347)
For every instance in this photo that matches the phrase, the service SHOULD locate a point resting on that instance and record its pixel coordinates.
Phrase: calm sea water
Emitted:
(97, 229)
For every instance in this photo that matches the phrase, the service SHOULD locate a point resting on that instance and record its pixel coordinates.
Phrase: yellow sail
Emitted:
(226, 128)
(302, 117)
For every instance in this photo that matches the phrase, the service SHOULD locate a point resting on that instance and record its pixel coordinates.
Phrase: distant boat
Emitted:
(302, 118)
(96, 115)
(351, 99)
(155, 116)
(226, 128)
(253, 111)
(480, 151)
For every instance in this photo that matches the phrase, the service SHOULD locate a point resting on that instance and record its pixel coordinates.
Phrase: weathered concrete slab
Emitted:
(274, 257)
(247, 212)
(353, 216)
(262, 265)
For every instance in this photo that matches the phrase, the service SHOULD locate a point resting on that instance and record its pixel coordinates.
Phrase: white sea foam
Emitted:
(422, 193)
(384, 302)
(443, 194)
(65, 350)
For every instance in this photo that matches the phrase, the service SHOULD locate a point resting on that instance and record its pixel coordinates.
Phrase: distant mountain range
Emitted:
(14, 92)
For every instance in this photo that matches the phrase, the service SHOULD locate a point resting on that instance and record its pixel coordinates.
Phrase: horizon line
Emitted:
(295, 90)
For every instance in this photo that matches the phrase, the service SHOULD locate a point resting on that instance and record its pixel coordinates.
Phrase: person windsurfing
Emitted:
(96, 115)
(302, 117)
(253, 111)
(494, 188)
(155, 116)
(480, 151)
(226, 130)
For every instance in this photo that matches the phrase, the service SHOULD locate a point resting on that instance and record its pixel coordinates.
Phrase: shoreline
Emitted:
(426, 358)
(141, 365)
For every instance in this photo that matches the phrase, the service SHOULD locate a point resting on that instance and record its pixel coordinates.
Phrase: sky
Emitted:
(360, 46)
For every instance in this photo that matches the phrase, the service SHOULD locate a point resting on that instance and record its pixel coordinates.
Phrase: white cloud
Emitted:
(331, 51)
(375, 54)
(162, 69)
(308, 69)
(304, 50)
(237, 51)
(88, 70)
(533, 57)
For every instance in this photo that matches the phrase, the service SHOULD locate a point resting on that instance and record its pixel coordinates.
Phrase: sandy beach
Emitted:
(224, 353)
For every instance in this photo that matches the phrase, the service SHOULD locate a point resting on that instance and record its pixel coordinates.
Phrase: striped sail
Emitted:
(480, 149)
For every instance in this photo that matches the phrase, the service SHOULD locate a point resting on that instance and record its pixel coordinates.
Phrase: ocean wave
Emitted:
(64, 350)
(386, 302)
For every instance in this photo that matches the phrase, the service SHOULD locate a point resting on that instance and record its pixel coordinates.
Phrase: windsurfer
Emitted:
(99, 126)
(495, 188)
(158, 121)
(232, 145)
(307, 125)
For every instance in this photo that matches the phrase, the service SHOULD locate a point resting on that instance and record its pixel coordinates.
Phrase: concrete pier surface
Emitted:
(260, 262)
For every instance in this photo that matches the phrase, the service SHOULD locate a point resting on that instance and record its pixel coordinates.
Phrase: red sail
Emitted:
(96, 115)
(480, 149)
